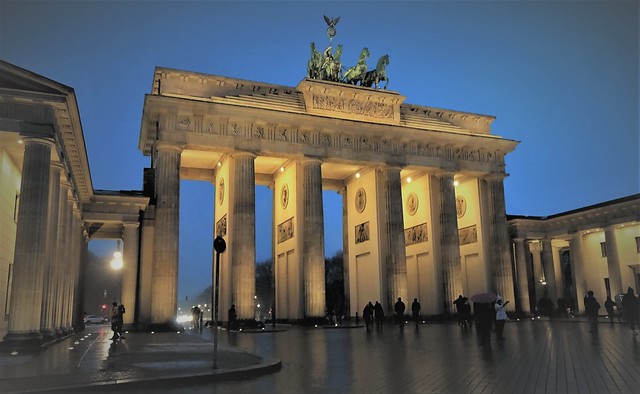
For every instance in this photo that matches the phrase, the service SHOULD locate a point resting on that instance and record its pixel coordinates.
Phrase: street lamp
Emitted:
(219, 245)
(116, 265)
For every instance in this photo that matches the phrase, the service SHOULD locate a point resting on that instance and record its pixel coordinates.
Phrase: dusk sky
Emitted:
(561, 77)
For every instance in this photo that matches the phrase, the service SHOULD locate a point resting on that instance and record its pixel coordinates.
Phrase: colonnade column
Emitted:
(62, 255)
(164, 283)
(78, 301)
(549, 271)
(447, 239)
(129, 270)
(577, 270)
(394, 258)
(613, 261)
(31, 245)
(524, 304)
(66, 272)
(47, 323)
(312, 237)
(496, 218)
(242, 232)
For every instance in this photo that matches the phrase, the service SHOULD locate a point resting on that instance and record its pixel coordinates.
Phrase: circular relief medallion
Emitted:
(412, 204)
(461, 206)
(221, 191)
(284, 196)
(361, 200)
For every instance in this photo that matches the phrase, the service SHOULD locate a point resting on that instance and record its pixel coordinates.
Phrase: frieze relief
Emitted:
(352, 106)
(294, 135)
(416, 234)
(285, 230)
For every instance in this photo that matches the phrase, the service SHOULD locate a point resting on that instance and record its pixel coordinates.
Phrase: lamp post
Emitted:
(116, 265)
(219, 245)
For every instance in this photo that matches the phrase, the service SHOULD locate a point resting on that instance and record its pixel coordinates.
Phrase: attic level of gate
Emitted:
(321, 98)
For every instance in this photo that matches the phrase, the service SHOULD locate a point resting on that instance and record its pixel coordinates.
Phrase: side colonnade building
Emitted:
(563, 256)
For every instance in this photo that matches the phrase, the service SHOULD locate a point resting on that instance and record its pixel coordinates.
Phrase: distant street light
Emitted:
(116, 265)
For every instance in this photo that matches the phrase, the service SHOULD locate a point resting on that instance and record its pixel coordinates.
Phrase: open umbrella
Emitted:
(484, 297)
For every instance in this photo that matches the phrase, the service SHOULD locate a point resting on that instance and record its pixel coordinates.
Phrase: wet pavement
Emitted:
(537, 356)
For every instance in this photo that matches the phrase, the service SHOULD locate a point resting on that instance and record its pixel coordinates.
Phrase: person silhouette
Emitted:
(378, 313)
(415, 311)
(399, 308)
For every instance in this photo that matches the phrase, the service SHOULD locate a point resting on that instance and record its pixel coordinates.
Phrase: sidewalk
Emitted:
(90, 358)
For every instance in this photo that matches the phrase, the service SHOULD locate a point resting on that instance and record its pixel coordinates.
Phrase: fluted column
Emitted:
(448, 241)
(312, 238)
(74, 265)
(164, 284)
(345, 253)
(535, 248)
(613, 261)
(129, 270)
(549, 271)
(31, 244)
(67, 272)
(78, 301)
(496, 217)
(393, 253)
(577, 269)
(523, 281)
(62, 255)
(242, 232)
(47, 326)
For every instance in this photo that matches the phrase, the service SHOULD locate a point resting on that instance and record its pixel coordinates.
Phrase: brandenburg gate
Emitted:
(423, 200)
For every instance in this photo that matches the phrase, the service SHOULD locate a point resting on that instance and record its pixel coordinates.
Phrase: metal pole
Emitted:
(215, 311)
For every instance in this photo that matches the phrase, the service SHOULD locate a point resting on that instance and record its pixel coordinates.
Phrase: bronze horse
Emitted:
(373, 77)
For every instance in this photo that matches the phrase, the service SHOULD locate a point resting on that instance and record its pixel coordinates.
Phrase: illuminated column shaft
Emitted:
(613, 261)
(47, 322)
(31, 243)
(129, 270)
(496, 216)
(164, 283)
(73, 268)
(392, 234)
(78, 259)
(549, 271)
(312, 238)
(242, 239)
(448, 240)
(523, 281)
(61, 256)
(66, 272)
(577, 270)
(345, 253)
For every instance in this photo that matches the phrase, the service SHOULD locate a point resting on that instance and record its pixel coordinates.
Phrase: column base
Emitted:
(30, 342)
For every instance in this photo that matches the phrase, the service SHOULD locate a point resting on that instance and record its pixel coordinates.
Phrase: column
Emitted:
(47, 326)
(495, 217)
(143, 312)
(535, 247)
(31, 245)
(549, 271)
(164, 284)
(67, 273)
(447, 242)
(62, 254)
(345, 253)
(78, 323)
(241, 246)
(129, 270)
(577, 270)
(613, 261)
(312, 237)
(523, 281)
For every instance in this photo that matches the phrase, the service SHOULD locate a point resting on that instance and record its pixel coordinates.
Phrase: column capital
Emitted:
(130, 224)
(494, 176)
(57, 165)
(443, 174)
(310, 160)
(162, 146)
(38, 140)
(237, 155)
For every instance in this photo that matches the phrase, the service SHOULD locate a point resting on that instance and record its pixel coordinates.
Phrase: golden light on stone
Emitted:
(409, 180)
(357, 175)
(456, 183)
(281, 169)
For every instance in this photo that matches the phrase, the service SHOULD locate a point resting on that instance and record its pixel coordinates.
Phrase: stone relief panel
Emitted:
(461, 206)
(362, 232)
(221, 227)
(352, 106)
(416, 234)
(285, 230)
(468, 235)
(360, 200)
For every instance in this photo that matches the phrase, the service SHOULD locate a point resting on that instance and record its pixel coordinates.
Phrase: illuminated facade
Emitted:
(423, 198)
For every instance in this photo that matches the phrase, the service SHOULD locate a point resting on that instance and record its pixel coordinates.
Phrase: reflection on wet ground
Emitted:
(536, 356)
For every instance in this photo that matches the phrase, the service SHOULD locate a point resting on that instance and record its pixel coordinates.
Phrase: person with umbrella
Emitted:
(501, 317)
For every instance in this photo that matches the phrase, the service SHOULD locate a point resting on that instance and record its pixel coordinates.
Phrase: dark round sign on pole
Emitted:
(219, 245)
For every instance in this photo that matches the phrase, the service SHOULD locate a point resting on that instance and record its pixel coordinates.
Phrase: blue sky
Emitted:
(562, 77)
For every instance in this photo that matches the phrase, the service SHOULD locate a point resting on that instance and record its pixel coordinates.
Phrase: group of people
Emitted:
(117, 320)
(375, 313)
(630, 308)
